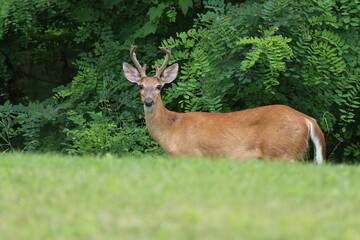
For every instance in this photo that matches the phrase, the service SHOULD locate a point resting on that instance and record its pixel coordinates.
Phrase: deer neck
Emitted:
(159, 121)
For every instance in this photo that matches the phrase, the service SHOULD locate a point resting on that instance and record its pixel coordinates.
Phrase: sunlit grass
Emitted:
(56, 197)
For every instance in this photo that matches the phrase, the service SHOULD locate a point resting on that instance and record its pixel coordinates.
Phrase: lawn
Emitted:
(47, 196)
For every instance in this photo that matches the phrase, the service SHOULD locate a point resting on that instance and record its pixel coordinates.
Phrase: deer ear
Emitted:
(131, 73)
(170, 73)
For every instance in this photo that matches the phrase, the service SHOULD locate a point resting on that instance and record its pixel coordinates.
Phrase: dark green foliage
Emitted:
(21, 125)
(301, 54)
(95, 110)
(304, 54)
(99, 135)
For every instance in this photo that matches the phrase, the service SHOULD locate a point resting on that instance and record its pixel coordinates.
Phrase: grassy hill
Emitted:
(60, 197)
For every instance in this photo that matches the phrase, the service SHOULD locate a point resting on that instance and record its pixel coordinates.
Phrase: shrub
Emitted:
(303, 54)
(300, 53)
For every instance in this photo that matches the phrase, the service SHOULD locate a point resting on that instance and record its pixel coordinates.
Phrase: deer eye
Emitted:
(158, 87)
(141, 86)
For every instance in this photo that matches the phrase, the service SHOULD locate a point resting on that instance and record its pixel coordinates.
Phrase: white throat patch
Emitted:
(149, 109)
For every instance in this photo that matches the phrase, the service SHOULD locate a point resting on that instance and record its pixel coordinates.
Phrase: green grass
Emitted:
(56, 197)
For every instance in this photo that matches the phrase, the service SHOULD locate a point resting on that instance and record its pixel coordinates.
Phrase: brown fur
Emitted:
(275, 132)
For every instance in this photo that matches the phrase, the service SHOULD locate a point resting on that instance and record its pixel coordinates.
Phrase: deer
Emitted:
(273, 132)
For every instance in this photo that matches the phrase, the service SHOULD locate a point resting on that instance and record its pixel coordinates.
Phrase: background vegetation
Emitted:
(62, 87)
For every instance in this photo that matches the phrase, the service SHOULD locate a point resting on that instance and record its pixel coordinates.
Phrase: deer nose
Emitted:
(148, 102)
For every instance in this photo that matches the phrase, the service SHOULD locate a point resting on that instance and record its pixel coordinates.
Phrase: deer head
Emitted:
(150, 86)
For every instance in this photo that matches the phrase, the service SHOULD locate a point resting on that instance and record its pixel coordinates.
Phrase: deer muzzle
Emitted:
(148, 102)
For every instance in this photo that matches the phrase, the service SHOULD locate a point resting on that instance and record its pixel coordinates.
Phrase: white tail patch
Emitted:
(318, 148)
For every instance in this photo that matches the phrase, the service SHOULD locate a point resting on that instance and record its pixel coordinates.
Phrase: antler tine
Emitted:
(141, 69)
(159, 71)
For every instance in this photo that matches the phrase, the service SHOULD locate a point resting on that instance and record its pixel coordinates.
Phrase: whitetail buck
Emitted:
(275, 132)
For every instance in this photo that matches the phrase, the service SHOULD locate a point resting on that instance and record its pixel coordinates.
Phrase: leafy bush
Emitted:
(100, 135)
(302, 54)
(98, 110)
(235, 56)
(21, 126)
